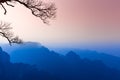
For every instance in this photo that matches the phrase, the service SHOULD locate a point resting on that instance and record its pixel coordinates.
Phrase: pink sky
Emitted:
(78, 21)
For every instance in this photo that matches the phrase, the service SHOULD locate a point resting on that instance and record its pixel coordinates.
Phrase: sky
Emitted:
(77, 22)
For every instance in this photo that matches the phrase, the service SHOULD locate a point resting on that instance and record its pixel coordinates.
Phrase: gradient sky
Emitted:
(77, 21)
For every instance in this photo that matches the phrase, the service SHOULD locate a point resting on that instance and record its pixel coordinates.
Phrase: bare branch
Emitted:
(16, 40)
(9, 4)
(6, 33)
(3, 8)
(44, 11)
(39, 9)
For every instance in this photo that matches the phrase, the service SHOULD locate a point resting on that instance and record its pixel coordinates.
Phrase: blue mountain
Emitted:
(109, 60)
(62, 67)
(20, 71)
(32, 53)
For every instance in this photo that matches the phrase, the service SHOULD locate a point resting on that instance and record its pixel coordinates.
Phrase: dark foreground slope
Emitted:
(20, 71)
(68, 67)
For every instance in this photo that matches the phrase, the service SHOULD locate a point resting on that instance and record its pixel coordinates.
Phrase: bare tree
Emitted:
(6, 33)
(38, 8)
(44, 11)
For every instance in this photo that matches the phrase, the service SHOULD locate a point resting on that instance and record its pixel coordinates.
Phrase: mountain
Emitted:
(9, 49)
(24, 53)
(20, 71)
(109, 60)
(64, 67)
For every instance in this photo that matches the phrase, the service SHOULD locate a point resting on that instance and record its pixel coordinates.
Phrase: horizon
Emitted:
(113, 48)
(86, 24)
(81, 43)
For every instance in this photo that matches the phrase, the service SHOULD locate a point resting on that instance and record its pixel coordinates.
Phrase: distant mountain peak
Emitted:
(72, 54)
(31, 44)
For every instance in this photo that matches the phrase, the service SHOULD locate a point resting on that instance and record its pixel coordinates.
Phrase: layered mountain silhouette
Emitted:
(20, 71)
(62, 67)
(109, 60)
(28, 48)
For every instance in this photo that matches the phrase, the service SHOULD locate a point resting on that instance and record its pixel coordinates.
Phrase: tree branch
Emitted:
(9, 4)
(39, 9)
(6, 33)
(3, 8)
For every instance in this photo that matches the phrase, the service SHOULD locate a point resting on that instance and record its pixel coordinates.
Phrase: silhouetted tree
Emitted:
(38, 8)
(6, 33)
